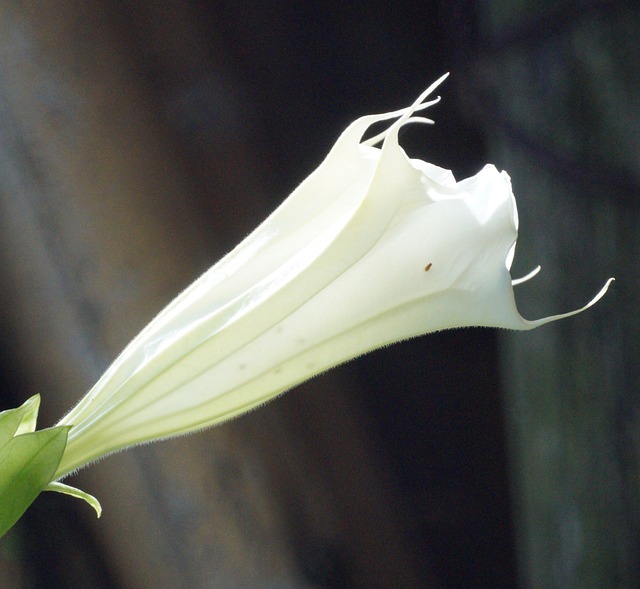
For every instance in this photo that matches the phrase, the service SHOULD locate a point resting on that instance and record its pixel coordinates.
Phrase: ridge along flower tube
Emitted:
(372, 248)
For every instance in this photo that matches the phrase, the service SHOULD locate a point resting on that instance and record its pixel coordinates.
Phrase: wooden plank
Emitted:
(558, 90)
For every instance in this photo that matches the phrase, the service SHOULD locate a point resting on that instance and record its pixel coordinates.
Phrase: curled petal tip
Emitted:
(593, 301)
(602, 292)
(598, 296)
(526, 277)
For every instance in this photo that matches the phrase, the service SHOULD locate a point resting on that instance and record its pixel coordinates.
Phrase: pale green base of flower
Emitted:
(28, 462)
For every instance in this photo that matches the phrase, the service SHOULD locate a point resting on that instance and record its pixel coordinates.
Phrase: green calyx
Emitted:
(28, 462)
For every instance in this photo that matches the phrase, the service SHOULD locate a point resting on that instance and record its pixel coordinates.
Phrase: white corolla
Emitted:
(372, 248)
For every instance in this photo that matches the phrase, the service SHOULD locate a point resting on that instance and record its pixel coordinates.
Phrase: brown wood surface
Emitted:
(559, 90)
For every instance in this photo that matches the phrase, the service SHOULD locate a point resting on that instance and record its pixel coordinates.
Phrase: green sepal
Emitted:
(17, 421)
(28, 462)
(77, 493)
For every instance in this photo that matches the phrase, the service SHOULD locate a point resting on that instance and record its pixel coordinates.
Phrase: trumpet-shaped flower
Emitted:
(372, 248)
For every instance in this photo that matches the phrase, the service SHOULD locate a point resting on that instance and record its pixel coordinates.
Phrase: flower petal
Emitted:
(372, 248)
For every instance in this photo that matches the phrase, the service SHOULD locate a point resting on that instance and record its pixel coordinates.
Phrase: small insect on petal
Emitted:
(428, 267)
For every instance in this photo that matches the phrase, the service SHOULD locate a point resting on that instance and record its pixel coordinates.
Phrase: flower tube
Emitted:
(372, 248)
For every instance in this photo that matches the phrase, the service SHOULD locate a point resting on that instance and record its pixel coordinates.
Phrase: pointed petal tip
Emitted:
(593, 301)
(526, 277)
(603, 291)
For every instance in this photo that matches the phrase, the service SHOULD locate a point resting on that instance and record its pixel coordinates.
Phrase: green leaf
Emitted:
(20, 420)
(28, 462)
(77, 493)
(30, 415)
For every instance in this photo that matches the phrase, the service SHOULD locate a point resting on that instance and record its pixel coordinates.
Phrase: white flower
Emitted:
(372, 248)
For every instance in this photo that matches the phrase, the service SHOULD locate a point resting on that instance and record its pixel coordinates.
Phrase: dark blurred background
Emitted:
(139, 141)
